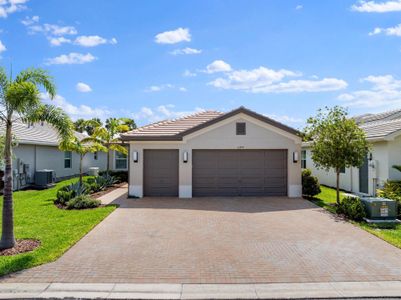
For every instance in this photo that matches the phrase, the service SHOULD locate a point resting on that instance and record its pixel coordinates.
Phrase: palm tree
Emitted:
(20, 100)
(108, 137)
(82, 147)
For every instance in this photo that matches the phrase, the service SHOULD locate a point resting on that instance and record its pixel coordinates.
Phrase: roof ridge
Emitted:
(376, 122)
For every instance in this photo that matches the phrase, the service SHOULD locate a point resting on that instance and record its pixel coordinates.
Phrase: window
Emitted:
(342, 170)
(303, 159)
(95, 155)
(241, 128)
(67, 159)
(121, 160)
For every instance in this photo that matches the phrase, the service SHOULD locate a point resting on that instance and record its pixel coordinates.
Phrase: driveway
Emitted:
(221, 240)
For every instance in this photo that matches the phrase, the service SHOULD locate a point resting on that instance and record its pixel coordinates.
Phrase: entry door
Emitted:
(160, 173)
(364, 177)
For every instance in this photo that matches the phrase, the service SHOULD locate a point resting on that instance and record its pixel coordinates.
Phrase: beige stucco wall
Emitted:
(222, 135)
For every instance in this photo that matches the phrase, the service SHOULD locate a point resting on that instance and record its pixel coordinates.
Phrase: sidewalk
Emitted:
(200, 291)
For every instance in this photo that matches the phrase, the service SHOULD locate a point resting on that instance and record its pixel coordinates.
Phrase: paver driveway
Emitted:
(221, 240)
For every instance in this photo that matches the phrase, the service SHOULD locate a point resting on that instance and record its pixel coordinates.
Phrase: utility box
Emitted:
(94, 171)
(45, 179)
(380, 209)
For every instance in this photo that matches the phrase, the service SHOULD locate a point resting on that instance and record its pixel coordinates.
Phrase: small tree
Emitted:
(337, 142)
(82, 147)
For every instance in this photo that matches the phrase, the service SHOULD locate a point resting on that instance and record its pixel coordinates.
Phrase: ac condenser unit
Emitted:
(45, 179)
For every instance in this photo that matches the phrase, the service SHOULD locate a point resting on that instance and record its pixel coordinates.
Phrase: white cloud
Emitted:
(83, 87)
(186, 50)
(182, 89)
(158, 88)
(8, 7)
(174, 36)
(285, 119)
(377, 7)
(162, 112)
(49, 29)
(58, 41)
(2, 47)
(77, 111)
(218, 66)
(93, 41)
(30, 20)
(71, 58)
(385, 91)
(188, 73)
(299, 7)
(265, 80)
(396, 30)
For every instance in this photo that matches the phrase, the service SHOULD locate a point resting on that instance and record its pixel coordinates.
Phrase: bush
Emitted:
(66, 193)
(310, 184)
(352, 208)
(392, 190)
(120, 176)
(82, 202)
(64, 196)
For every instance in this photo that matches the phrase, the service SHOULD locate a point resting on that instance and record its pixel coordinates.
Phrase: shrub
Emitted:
(392, 190)
(64, 196)
(120, 176)
(66, 193)
(352, 208)
(310, 184)
(82, 202)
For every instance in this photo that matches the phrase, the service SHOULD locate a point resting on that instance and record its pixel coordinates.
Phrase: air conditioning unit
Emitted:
(45, 179)
(379, 209)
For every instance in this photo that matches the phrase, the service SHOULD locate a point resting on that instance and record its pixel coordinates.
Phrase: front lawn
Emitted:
(391, 233)
(37, 217)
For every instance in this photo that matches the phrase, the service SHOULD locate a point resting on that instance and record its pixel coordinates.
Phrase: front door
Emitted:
(364, 177)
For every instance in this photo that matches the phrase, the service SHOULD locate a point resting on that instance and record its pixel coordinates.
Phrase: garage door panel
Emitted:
(240, 173)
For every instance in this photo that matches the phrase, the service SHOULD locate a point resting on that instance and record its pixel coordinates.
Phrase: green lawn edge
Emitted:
(327, 198)
(36, 217)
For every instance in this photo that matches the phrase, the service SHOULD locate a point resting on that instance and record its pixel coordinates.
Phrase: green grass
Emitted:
(391, 233)
(36, 217)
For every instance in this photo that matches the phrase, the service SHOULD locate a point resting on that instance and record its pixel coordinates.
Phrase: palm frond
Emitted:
(22, 96)
(39, 77)
(119, 148)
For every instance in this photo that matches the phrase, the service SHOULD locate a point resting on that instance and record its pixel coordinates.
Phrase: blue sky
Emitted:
(154, 60)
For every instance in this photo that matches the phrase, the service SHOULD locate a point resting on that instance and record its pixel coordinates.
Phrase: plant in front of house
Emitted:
(20, 100)
(336, 141)
(392, 190)
(310, 184)
(352, 208)
(83, 202)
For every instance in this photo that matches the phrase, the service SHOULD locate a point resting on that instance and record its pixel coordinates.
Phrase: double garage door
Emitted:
(218, 173)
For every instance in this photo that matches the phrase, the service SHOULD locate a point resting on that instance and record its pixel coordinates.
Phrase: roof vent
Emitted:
(241, 128)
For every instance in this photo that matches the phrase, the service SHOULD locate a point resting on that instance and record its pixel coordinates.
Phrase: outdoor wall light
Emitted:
(370, 156)
(135, 156)
(185, 157)
(295, 156)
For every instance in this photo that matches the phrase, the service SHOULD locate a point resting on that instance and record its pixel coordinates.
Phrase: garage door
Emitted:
(239, 173)
(160, 173)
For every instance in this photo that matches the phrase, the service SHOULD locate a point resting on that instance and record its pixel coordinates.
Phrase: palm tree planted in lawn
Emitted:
(108, 137)
(20, 100)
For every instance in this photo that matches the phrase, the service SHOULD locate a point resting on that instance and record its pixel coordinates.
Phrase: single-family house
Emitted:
(37, 149)
(239, 153)
(383, 131)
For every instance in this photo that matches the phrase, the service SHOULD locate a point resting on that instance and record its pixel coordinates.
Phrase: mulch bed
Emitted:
(108, 190)
(21, 246)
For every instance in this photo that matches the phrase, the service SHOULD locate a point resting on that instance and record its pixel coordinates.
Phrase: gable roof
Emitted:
(381, 129)
(36, 134)
(175, 130)
(387, 115)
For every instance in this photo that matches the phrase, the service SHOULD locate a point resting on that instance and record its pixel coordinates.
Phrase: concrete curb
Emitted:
(200, 291)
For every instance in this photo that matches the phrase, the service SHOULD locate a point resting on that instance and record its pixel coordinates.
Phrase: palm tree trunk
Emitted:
(108, 161)
(7, 236)
(338, 186)
(80, 169)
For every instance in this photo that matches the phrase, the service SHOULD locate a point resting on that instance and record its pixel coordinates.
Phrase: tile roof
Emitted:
(387, 115)
(381, 129)
(177, 128)
(37, 134)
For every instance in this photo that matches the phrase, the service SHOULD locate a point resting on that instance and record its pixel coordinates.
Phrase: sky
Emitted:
(154, 60)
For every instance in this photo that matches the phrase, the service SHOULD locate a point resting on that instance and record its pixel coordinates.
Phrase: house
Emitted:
(383, 131)
(239, 153)
(37, 149)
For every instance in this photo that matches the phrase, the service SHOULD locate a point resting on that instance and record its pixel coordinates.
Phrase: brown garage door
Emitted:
(160, 173)
(239, 173)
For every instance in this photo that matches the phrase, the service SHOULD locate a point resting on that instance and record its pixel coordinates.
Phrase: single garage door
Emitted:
(160, 173)
(239, 173)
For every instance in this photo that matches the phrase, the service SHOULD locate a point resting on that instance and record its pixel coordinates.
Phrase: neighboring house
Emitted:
(239, 153)
(37, 149)
(383, 131)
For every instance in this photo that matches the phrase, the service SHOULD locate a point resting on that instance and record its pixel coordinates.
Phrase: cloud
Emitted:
(218, 66)
(265, 80)
(30, 20)
(8, 7)
(2, 47)
(285, 119)
(74, 111)
(188, 73)
(186, 51)
(71, 58)
(385, 91)
(166, 86)
(58, 41)
(93, 41)
(162, 112)
(174, 36)
(396, 30)
(377, 7)
(299, 7)
(83, 87)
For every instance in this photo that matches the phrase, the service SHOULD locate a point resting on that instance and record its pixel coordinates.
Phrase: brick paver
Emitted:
(221, 240)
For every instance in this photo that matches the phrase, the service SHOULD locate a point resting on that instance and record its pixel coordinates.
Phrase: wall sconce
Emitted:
(370, 156)
(135, 156)
(185, 157)
(295, 156)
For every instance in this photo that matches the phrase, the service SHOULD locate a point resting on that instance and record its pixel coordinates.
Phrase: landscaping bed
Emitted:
(37, 218)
